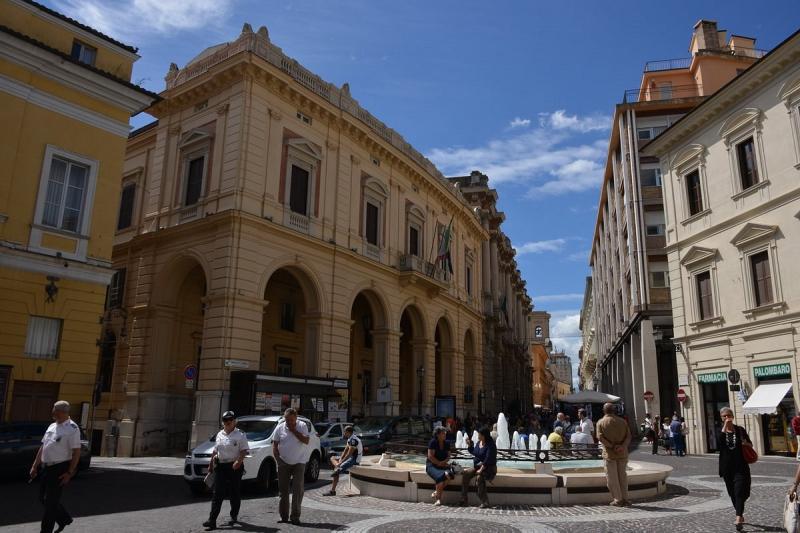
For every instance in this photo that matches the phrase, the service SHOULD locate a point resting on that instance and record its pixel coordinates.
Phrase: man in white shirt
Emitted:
(351, 456)
(59, 453)
(227, 460)
(580, 439)
(290, 449)
(587, 426)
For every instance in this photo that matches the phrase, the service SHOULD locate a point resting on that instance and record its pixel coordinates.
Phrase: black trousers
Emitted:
(738, 485)
(654, 436)
(226, 479)
(50, 491)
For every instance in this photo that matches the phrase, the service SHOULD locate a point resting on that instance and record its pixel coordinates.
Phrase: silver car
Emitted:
(331, 434)
(259, 464)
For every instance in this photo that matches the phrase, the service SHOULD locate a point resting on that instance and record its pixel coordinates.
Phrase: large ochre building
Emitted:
(278, 245)
(65, 103)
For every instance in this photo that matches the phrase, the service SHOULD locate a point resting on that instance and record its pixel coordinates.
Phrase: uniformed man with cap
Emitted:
(227, 460)
(59, 453)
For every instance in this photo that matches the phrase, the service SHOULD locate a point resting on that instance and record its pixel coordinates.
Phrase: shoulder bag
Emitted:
(748, 452)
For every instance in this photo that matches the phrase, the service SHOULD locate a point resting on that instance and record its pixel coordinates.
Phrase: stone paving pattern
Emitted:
(148, 494)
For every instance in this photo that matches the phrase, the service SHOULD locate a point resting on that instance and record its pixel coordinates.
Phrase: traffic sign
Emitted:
(648, 396)
(733, 376)
(681, 395)
(190, 371)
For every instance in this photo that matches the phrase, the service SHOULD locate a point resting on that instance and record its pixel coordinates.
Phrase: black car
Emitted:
(19, 442)
(375, 431)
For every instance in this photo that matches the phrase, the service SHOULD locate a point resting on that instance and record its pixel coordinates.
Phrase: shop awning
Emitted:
(765, 398)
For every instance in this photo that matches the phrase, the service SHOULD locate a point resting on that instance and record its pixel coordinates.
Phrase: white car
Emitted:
(259, 464)
(331, 434)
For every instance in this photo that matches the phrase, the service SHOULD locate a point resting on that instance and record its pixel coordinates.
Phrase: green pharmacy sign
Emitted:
(773, 371)
(712, 377)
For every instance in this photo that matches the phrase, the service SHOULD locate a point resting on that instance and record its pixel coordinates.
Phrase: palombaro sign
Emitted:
(773, 371)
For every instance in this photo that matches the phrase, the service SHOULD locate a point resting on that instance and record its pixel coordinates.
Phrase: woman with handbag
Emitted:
(735, 455)
(227, 467)
(438, 464)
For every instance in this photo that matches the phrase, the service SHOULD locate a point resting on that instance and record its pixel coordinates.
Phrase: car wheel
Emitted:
(266, 476)
(312, 468)
(198, 489)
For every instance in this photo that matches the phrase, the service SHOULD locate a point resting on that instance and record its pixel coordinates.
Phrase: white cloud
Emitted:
(520, 122)
(549, 159)
(537, 247)
(129, 20)
(580, 255)
(559, 120)
(558, 297)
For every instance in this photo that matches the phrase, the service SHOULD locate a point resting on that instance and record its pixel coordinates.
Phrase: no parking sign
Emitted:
(190, 374)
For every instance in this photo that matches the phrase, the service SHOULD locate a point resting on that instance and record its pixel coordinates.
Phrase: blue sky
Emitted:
(521, 90)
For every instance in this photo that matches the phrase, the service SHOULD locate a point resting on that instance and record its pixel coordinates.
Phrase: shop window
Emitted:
(43, 337)
(126, 202)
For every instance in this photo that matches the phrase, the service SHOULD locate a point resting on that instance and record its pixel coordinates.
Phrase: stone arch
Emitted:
(369, 351)
(291, 332)
(376, 299)
(306, 277)
(169, 278)
(412, 359)
(444, 357)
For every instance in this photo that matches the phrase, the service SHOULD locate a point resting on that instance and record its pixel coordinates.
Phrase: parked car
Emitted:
(375, 431)
(331, 434)
(259, 464)
(19, 442)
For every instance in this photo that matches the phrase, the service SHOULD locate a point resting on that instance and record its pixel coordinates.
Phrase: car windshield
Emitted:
(321, 428)
(256, 429)
(371, 424)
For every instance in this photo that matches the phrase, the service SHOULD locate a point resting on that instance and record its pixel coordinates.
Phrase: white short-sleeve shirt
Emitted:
(291, 449)
(59, 440)
(230, 445)
(587, 426)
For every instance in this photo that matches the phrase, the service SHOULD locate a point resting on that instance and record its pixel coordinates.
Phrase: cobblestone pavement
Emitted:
(148, 494)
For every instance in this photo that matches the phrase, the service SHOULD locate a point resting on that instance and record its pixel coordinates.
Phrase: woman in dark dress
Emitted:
(484, 461)
(437, 466)
(732, 466)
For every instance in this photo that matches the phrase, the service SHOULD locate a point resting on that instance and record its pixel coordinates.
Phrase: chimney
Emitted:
(705, 35)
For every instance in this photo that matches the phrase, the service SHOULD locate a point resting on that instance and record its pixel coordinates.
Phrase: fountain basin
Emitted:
(556, 483)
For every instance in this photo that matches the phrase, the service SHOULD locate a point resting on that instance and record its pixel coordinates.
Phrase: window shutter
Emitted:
(762, 278)
(704, 295)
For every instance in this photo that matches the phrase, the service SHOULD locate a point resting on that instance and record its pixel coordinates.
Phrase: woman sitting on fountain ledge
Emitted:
(484, 466)
(437, 466)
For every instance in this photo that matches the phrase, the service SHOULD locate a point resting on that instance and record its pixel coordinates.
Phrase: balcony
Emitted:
(660, 295)
(296, 221)
(655, 242)
(415, 270)
(662, 94)
(652, 195)
(668, 64)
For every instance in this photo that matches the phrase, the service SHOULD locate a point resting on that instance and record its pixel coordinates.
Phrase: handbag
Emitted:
(750, 454)
(791, 513)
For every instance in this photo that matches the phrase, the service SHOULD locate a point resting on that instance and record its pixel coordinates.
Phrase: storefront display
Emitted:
(776, 408)
(714, 389)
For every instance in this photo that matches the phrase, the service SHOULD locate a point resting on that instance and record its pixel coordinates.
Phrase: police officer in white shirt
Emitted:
(290, 449)
(227, 460)
(59, 453)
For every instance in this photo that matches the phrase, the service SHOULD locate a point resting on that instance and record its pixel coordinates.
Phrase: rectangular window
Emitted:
(469, 279)
(644, 134)
(116, 289)
(704, 296)
(650, 177)
(371, 229)
(655, 229)
(66, 193)
(284, 366)
(413, 241)
(693, 192)
(666, 90)
(43, 337)
(762, 279)
(659, 279)
(126, 206)
(194, 181)
(745, 153)
(298, 193)
(83, 52)
(287, 316)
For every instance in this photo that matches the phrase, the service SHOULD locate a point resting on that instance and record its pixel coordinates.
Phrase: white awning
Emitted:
(765, 399)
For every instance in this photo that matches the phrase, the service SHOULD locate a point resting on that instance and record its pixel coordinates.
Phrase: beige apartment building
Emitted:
(588, 350)
(630, 282)
(277, 245)
(731, 173)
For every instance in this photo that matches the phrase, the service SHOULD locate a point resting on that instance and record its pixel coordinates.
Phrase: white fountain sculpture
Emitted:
(523, 445)
(459, 440)
(532, 440)
(475, 437)
(515, 440)
(544, 443)
(502, 432)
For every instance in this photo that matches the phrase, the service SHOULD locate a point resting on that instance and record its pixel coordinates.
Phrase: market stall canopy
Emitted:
(590, 396)
(765, 398)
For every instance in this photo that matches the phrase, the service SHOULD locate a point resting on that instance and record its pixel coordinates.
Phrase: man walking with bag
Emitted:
(290, 449)
(615, 435)
(59, 453)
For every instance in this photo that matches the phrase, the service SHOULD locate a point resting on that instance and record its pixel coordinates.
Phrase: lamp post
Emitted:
(481, 402)
(420, 375)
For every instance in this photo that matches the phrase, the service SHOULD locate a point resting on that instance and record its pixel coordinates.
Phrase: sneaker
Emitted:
(330, 493)
(437, 502)
(433, 495)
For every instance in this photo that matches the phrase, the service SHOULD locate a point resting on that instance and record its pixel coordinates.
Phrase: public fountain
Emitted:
(515, 440)
(502, 433)
(474, 436)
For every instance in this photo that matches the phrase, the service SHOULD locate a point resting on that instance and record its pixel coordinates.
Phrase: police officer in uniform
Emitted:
(59, 453)
(227, 460)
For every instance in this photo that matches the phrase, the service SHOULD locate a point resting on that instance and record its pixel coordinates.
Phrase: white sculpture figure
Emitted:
(502, 432)
(532, 440)
(459, 440)
(515, 440)
(522, 443)
(545, 444)
(475, 438)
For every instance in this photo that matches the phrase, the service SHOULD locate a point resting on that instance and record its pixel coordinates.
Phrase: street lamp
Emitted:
(420, 375)
(481, 401)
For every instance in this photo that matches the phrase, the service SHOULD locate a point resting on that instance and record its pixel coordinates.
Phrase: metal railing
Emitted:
(662, 93)
(414, 263)
(686, 62)
(668, 64)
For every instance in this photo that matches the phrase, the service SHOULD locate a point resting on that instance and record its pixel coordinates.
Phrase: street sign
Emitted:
(681, 395)
(648, 396)
(237, 363)
(735, 388)
(733, 376)
(190, 371)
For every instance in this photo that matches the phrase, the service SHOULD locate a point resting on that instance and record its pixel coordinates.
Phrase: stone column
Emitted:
(315, 323)
(387, 363)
